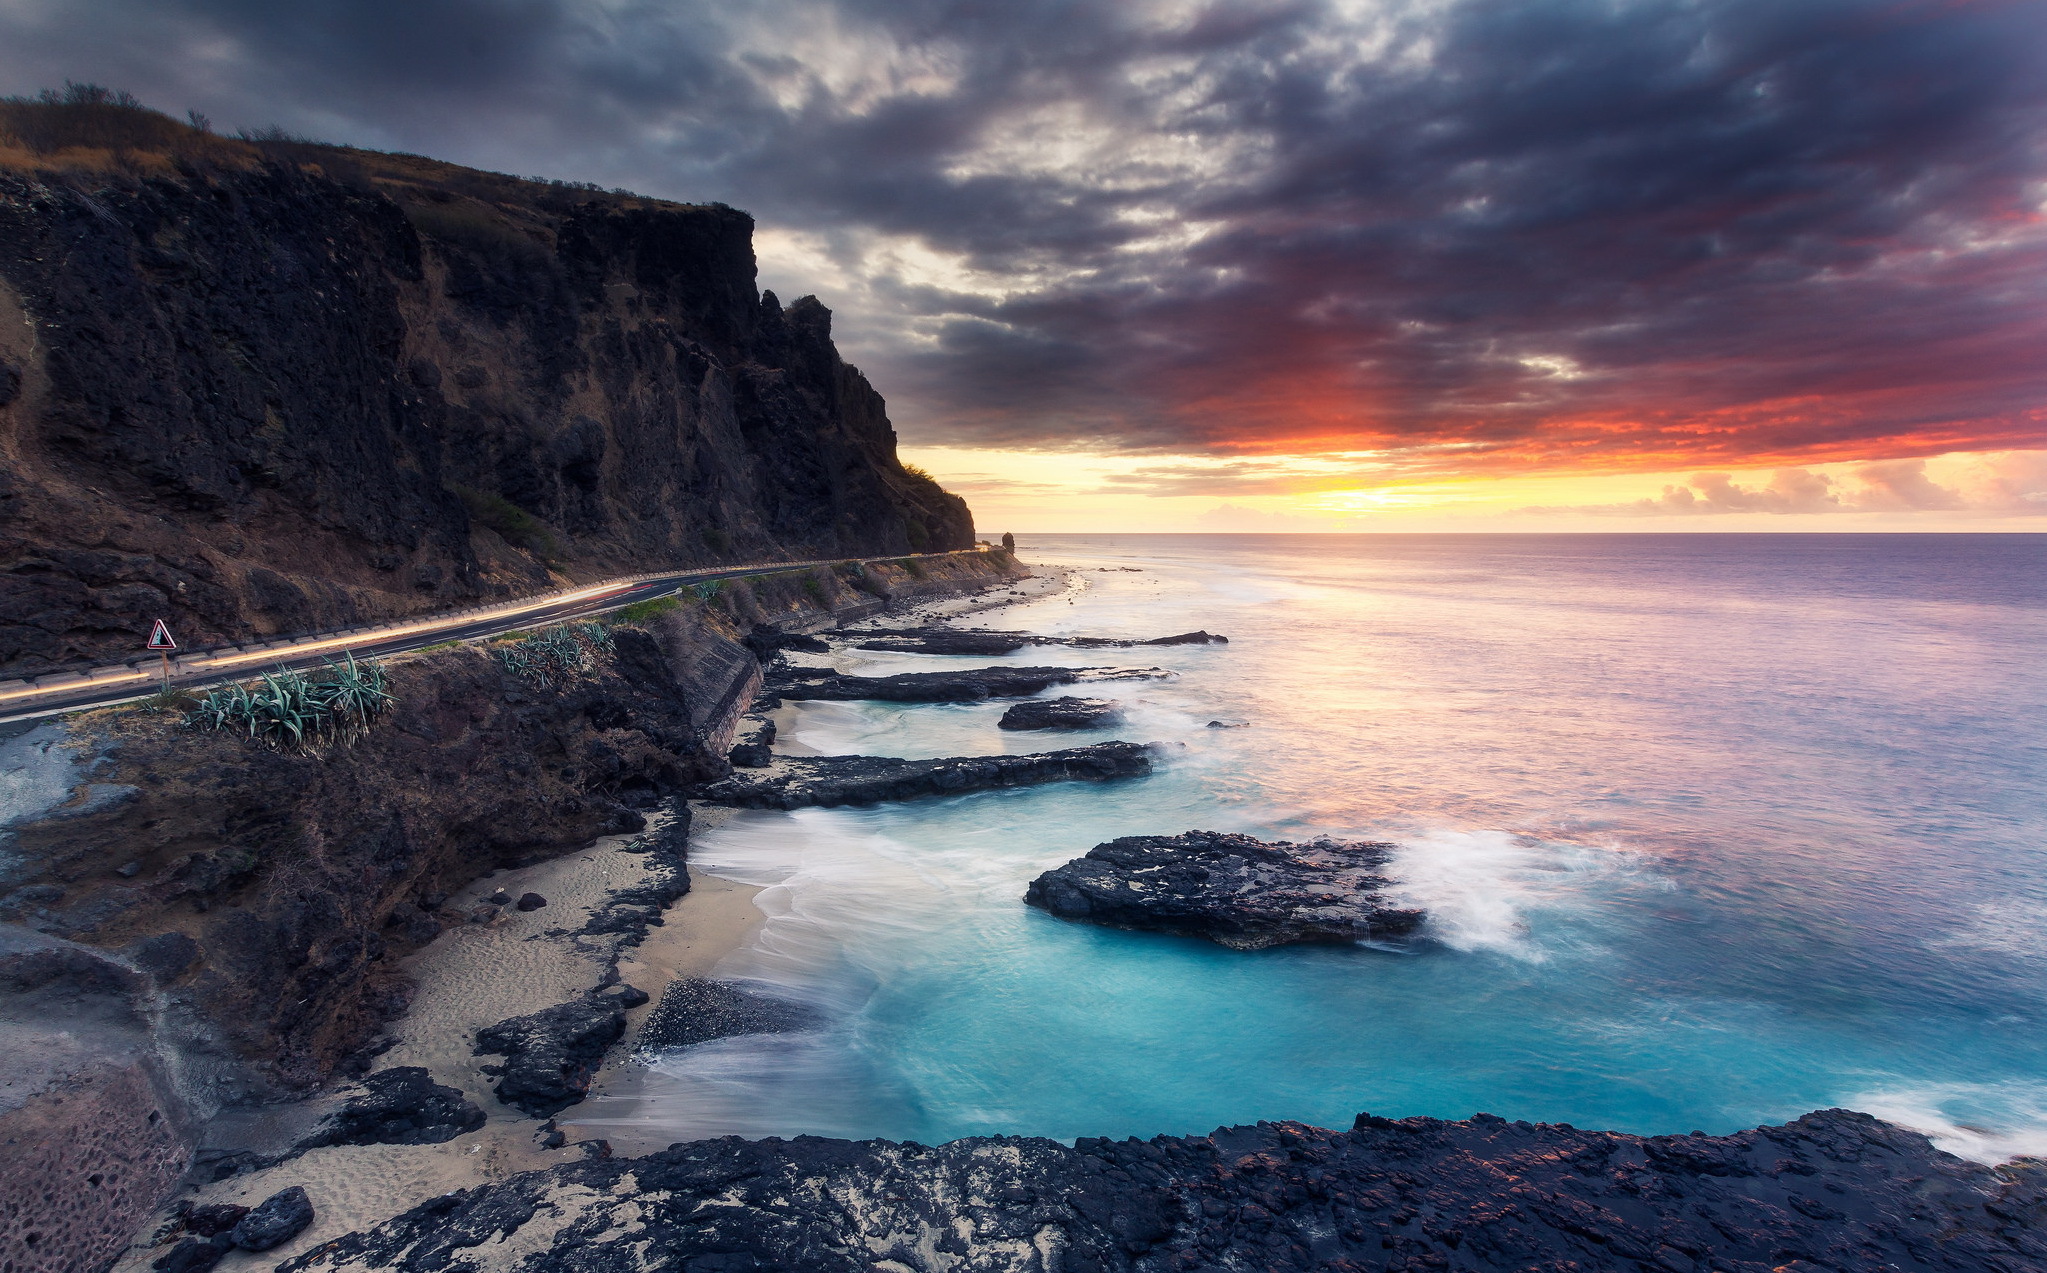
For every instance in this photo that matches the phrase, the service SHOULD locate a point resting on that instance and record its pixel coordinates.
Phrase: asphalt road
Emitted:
(232, 665)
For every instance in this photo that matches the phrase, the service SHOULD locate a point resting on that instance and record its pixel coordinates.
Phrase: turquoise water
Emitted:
(1712, 830)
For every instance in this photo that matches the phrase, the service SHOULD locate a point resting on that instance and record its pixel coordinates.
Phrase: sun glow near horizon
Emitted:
(1075, 491)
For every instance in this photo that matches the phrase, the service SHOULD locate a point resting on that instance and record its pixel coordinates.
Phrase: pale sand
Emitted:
(473, 976)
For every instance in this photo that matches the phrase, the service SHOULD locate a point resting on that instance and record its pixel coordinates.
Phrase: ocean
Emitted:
(1712, 830)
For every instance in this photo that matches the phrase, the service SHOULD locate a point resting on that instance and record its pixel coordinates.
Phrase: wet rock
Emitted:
(696, 1010)
(1242, 893)
(1228, 724)
(1189, 638)
(1279, 1197)
(551, 1055)
(400, 1106)
(947, 641)
(968, 686)
(500, 898)
(275, 1221)
(754, 750)
(1060, 713)
(830, 781)
(530, 902)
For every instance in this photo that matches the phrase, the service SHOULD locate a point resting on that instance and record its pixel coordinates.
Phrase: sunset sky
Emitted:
(1350, 265)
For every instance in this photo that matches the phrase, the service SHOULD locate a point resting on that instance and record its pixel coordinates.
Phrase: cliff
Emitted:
(256, 388)
(190, 919)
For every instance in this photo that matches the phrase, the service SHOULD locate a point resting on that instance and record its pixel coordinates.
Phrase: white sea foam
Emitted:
(1492, 890)
(1984, 1122)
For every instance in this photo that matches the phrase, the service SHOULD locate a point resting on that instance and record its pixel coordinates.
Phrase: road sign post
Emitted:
(160, 641)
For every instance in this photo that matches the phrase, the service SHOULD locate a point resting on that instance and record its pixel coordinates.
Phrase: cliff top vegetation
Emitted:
(89, 130)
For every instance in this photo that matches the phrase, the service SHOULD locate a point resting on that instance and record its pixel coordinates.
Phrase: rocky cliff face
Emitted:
(268, 892)
(264, 389)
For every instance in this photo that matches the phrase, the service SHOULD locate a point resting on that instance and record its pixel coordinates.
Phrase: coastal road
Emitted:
(120, 683)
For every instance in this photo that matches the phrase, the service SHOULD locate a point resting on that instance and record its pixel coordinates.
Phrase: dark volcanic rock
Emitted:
(551, 1055)
(632, 911)
(696, 1010)
(766, 642)
(401, 1106)
(1243, 893)
(830, 781)
(983, 641)
(968, 686)
(275, 1221)
(1060, 713)
(194, 1255)
(614, 376)
(755, 748)
(214, 1218)
(529, 902)
(1833, 1190)
(948, 641)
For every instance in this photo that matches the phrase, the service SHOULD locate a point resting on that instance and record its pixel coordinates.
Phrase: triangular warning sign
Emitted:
(160, 638)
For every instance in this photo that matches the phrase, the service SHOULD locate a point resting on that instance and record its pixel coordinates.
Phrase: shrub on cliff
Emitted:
(291, 711)
(555, 655)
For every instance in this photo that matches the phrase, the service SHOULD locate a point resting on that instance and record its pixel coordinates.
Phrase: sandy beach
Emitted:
(470, 977)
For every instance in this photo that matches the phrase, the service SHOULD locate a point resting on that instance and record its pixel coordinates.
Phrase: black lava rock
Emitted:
(830, 781)
(947, 641)
(1243, 893)
(401, 1106)
(1060, 713)
(968, 686)
(766, 642)
(275, 1221)
(696, 1010)
(1832, 1190)
(551, 1056)
(530, 902)
(194, 1255)
(214, 1218)
(1189, 638)
(632, 911)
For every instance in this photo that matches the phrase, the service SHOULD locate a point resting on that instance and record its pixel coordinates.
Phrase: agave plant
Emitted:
(288, 710)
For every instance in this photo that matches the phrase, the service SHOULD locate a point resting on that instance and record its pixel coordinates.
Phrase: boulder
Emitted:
(400, 1106)
(551, 1055)
(1231, 889)
(275, 1221)
(1060, 713)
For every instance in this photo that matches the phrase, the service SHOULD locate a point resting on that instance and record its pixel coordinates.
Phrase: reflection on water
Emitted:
(1713, 830)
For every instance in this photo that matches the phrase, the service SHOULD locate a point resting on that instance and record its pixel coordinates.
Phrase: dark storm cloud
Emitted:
(1475, 233)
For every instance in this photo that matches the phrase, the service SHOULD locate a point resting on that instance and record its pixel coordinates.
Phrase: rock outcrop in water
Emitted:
(289, 387)
(1242, 893)
(967, 686)
(829, 781)
(934, 640)
(1831, 1191)
(1060, 713)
